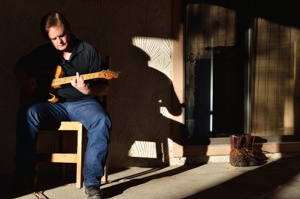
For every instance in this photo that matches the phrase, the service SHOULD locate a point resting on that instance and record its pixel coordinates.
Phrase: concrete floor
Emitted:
(274, 180)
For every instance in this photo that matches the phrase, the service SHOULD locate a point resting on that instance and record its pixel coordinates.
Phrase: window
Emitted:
(241, 68)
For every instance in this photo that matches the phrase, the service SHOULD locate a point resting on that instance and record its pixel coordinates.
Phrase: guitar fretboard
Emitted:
(107, 74)
(66, 80)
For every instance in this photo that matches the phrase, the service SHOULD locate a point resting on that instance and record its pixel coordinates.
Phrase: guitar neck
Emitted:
(66, 80)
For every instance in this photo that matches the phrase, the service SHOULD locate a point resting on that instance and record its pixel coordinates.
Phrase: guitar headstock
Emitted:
(108, 74)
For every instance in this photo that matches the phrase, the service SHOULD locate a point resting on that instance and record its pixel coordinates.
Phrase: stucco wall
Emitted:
(137, 35)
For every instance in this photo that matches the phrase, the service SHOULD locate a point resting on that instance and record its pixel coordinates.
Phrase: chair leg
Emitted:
(104, 178)
(38, 147)
(78, 176)
(80, 147)
(63, 137)
(35, 180)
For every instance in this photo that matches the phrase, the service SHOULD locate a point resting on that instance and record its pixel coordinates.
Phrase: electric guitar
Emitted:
(49, 81)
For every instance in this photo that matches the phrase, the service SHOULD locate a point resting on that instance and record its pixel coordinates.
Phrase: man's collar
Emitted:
(78, 46)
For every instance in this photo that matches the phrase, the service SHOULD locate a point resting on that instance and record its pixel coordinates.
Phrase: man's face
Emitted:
(60, 38)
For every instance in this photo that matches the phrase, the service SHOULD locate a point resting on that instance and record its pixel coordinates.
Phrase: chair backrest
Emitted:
(104, 99)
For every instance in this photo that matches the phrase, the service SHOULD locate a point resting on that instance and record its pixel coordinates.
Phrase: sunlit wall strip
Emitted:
(211, 85)
(247, 112)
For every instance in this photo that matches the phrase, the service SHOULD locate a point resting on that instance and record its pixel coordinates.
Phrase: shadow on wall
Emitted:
(145, 114)
(140, 130)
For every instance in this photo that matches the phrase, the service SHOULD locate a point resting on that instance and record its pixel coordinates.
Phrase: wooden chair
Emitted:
(62, 156)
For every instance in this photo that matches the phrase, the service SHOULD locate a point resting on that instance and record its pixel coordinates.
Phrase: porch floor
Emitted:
(274, 179)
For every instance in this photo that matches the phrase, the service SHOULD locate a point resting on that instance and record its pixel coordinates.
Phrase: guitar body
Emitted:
(44, 91)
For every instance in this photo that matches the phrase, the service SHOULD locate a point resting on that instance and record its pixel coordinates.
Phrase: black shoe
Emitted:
(22, 185)
(93, 192)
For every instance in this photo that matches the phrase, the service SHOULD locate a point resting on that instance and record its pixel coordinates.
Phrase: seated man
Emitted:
(77, 101)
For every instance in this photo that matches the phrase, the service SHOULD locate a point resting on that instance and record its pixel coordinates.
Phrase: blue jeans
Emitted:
(89, 112)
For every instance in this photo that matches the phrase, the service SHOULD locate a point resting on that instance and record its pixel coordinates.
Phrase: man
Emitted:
(77, 101)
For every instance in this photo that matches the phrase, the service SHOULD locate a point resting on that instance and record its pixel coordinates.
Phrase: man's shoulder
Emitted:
(85, 47)
(88, 45)
(44, 47)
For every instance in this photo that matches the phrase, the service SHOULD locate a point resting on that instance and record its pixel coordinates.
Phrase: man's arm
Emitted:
(24, 78)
